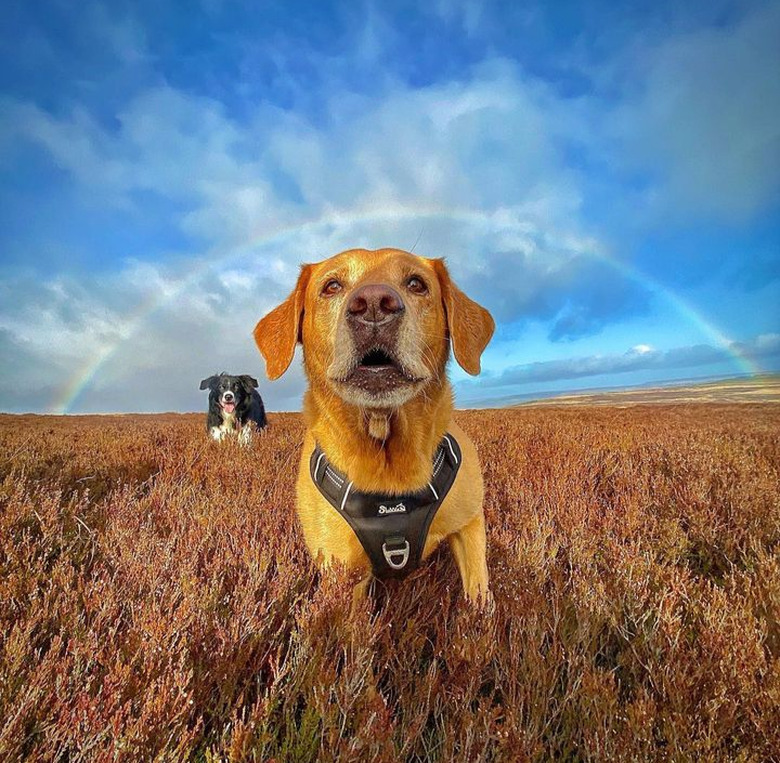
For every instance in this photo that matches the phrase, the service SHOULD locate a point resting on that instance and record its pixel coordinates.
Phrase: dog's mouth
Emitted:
(228, 407)
(377, 361)
(378, 371)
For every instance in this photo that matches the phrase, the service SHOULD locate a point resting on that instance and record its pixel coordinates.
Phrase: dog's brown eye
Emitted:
(331, 287)
(416, 285)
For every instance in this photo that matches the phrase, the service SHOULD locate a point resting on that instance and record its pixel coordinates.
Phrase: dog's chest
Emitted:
(229, 425)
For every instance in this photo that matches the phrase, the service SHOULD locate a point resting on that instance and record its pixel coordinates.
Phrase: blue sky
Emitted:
(604, 177)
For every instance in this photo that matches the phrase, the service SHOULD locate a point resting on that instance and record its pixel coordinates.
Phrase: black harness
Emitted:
(391, 528)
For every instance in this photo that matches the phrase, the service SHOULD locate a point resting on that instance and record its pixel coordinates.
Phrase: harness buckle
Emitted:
(389, 551)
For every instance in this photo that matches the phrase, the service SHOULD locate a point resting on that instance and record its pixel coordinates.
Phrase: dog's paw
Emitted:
(481, 600)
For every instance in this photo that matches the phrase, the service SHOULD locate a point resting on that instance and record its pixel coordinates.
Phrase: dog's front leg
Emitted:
(245, 435)
(469, 548)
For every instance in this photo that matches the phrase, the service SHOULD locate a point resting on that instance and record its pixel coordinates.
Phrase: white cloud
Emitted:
(481, 144)
(140, 339)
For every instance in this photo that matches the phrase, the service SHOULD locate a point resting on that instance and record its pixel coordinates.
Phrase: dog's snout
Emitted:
(228, 396)
(375, 303)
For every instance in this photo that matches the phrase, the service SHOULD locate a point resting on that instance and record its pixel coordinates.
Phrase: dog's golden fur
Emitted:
(384, 444)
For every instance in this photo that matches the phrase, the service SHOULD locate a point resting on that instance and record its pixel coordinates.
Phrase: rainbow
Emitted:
(336, 220)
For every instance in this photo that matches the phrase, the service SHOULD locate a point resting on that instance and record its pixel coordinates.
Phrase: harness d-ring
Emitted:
(389, 553)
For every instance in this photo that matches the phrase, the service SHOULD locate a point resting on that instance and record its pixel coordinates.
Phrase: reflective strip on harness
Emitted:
(391, 528)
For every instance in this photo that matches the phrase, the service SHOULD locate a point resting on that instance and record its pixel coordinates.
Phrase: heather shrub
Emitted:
(157, 601)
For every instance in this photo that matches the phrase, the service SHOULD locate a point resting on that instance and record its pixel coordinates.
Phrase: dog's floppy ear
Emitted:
(249, 382)
(278, 332)
(206, 383)
(469, 324)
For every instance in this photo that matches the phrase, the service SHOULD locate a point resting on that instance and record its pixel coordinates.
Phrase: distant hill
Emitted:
(757, 389)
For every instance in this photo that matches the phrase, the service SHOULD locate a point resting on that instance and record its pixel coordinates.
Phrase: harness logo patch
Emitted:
(397, 509)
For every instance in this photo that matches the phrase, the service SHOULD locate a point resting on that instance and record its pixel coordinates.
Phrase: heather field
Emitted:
(157, 602)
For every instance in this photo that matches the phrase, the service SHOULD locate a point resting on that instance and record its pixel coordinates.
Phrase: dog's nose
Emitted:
(228, 396)
(375, 303)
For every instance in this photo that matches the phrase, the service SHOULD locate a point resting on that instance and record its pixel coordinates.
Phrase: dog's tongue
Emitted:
(229, 407)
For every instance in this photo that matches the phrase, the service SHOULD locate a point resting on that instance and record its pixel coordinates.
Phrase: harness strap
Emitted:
(391, 528)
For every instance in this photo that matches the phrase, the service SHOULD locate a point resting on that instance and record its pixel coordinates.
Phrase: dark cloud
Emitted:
(597, 296)
(577, 293)
(637, 359)
(760, 271)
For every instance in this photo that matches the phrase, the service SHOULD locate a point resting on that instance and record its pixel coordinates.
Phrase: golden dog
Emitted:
(376, 328)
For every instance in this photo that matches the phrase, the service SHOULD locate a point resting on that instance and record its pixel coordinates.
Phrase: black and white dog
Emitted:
(235, 406)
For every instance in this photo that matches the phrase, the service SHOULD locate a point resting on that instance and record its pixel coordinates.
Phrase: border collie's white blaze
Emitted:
(235, 407)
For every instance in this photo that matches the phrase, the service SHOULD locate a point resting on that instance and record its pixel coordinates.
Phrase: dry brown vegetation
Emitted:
(157, 602)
